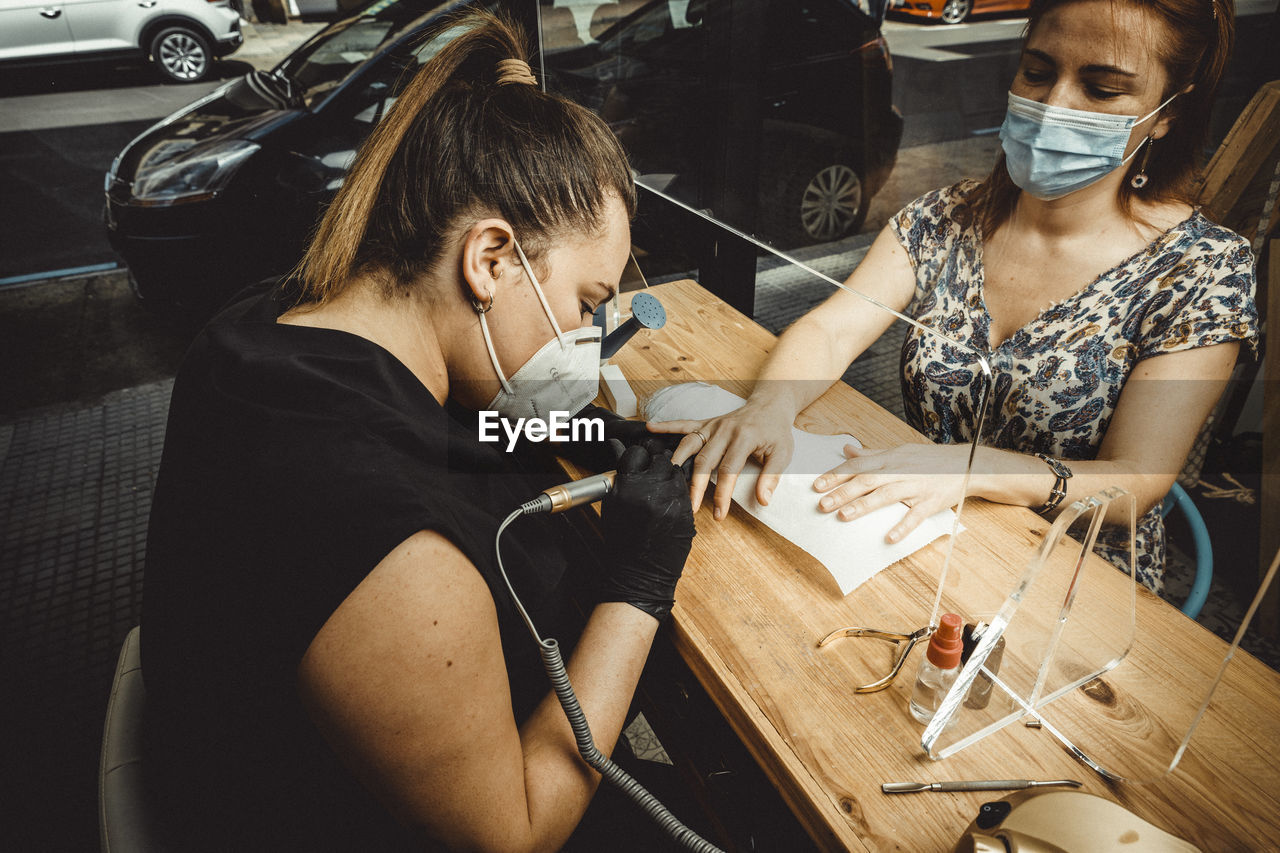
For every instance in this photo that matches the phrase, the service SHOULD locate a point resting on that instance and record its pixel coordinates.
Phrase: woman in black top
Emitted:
(326, 640)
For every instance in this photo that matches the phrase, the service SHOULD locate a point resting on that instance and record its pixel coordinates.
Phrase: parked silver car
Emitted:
(181, 37)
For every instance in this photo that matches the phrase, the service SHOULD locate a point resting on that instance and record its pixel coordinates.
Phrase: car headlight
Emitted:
(173, 173)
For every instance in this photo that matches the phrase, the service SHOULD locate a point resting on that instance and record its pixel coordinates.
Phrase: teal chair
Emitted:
(1179, 498)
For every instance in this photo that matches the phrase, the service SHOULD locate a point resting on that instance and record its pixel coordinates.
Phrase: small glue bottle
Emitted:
(939, 668)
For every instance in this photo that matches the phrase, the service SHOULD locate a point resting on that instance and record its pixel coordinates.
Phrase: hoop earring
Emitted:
(480, 307)
(1140, 180)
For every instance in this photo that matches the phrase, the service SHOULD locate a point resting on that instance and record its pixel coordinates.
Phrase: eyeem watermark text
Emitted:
(559, 427)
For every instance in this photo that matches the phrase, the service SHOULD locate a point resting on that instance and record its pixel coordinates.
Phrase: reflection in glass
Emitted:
(779, 120)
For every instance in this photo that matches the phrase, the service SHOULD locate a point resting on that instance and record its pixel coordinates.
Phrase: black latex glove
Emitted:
(598, 455)
(647, 521)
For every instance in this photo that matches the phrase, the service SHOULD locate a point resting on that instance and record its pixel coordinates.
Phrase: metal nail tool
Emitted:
(979, 785)
(893, 637)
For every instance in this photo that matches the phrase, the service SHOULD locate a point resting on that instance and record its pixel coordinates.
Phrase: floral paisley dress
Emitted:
(1058, 378)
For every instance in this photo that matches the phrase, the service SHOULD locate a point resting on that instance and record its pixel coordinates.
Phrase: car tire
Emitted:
(817, 193)
(182, 55)
(955, 11)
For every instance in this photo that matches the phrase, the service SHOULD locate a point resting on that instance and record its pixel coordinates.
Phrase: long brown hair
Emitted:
(1198, 36)
(458, 142)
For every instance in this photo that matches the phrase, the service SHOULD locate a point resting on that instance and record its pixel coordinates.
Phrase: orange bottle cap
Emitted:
(947, 642)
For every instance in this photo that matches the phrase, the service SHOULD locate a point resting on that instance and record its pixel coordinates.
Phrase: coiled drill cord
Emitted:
(553, 662)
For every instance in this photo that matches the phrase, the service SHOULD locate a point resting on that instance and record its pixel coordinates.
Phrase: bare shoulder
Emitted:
(425, 580)
(1152, 219)
(424, 609)
(406, 673)
(407, 683)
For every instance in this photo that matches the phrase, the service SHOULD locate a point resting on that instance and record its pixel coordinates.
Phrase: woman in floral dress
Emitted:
(1111, 310)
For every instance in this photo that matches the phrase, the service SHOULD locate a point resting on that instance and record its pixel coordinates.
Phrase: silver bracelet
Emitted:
(1062, 473)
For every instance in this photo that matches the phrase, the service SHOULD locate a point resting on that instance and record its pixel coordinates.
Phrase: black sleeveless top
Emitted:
(295, 460)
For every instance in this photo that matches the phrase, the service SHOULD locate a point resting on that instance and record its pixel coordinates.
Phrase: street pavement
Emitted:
(63, 126)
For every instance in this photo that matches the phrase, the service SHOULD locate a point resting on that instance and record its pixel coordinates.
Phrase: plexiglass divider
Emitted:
(1080, 659)
(1053, 633)
(1078, 647)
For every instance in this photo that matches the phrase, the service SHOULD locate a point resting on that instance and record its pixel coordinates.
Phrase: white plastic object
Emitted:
(617, 391)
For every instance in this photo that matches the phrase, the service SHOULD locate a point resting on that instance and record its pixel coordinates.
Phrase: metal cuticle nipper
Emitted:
(875, 634)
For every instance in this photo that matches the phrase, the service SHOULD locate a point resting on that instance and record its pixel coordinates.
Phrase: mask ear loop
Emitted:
(481, 310)
(1139, 180)
(1157, 109)
(537, 288)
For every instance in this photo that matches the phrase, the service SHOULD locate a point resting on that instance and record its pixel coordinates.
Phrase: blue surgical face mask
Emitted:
(1052, 151)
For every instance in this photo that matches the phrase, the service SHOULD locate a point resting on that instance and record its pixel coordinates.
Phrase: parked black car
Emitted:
(228, 190)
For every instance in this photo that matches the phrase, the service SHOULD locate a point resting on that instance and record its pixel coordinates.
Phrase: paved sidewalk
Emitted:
(79, 338)
(75, 495)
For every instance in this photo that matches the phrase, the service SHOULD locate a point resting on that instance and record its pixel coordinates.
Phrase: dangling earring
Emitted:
(482, 308)
(1139, 180)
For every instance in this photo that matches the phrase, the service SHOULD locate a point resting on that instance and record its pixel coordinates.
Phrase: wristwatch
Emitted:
(1059, 491)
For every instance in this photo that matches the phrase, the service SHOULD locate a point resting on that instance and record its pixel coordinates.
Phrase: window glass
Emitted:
(323, 63)
(810, 123)
(805, 126)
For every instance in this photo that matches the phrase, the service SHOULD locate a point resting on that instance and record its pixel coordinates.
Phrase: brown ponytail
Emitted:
(457, 143)
(1198, 38)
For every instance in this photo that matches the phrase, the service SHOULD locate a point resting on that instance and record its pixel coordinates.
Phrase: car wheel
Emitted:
(818, 194)
(182, 55)
(955, 11)
(832, 205)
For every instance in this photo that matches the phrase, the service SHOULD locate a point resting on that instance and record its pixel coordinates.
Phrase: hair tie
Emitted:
(515, 71)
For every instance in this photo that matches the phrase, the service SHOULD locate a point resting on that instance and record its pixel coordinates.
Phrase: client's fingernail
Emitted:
(826, 503)
(893, 536)
(820, 483)
(718, 513)
(768, 493)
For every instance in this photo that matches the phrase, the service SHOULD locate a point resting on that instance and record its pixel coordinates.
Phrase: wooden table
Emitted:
(751, 607)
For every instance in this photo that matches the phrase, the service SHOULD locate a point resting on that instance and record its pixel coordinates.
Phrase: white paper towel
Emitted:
(852, 551)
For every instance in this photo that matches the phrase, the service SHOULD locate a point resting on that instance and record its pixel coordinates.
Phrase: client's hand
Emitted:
(926, 477)
(648, 529)
(724, 444)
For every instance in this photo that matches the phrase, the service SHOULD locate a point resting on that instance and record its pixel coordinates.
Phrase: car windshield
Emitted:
(651, 22)
(321, 64)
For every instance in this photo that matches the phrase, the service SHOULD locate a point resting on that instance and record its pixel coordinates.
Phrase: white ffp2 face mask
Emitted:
(562, 376)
